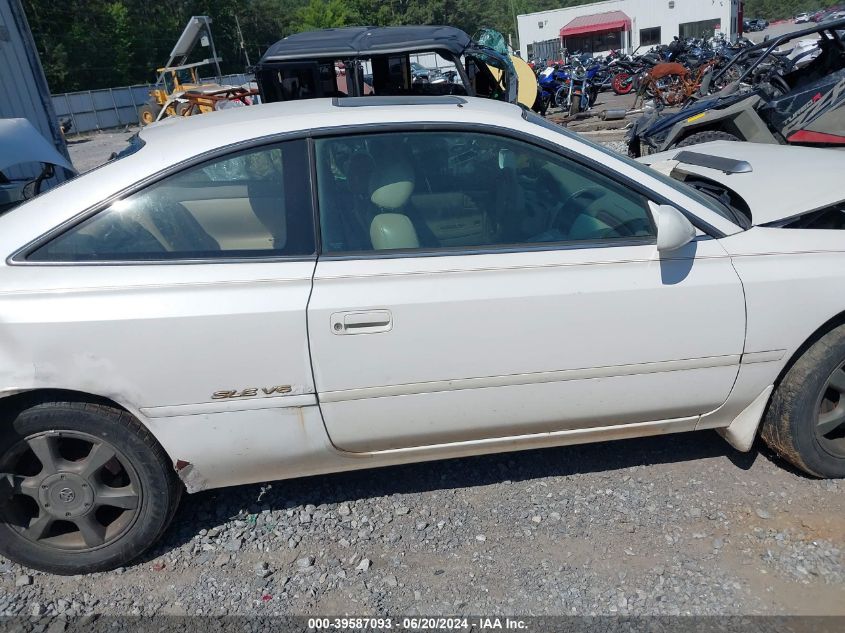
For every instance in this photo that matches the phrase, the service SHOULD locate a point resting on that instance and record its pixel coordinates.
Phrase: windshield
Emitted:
(680, 187)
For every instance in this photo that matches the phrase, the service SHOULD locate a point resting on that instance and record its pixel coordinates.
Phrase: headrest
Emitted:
(392, 184)
(393, 231)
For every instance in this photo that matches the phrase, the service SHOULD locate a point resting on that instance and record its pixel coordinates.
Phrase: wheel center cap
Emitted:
(66, 495)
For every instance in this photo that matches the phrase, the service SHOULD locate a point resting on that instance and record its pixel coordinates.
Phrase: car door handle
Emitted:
(370, 322)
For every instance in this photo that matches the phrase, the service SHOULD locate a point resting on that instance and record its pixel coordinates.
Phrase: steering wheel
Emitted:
(597, 192)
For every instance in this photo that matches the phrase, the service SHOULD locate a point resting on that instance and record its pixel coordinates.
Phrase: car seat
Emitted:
(391, 185)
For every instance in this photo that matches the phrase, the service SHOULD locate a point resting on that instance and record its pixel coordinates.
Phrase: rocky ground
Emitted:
(672, 525)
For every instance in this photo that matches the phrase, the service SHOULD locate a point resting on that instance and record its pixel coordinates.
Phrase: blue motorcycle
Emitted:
(549, 83)
(583, 89)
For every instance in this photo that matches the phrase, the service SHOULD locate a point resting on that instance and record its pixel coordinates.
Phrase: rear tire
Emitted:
(805, 421)
(84, 488)
(706, 137)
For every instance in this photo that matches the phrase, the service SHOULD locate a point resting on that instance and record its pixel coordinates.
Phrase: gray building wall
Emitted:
(23, 88)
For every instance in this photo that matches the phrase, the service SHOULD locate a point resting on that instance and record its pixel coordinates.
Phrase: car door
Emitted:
(473, 285)
(186, 296)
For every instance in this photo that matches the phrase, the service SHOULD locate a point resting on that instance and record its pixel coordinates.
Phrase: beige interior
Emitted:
(453, 217)
(393, 231)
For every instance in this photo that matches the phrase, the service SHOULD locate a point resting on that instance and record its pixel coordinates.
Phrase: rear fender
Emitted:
(740, 119)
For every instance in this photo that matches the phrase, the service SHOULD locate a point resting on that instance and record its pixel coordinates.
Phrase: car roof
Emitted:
(180, 138)
(355, 41)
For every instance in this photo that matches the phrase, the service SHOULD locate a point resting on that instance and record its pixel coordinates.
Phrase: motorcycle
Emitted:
(549, 83)
(583, 92)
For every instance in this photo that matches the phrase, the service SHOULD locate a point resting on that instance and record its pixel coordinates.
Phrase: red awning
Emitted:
(597, 23)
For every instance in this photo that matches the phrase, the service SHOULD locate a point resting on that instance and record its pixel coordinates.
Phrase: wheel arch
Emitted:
(740, 119)
(823, 329)
(14, 402)
(748, 424)
(683, 130)
(18, 401)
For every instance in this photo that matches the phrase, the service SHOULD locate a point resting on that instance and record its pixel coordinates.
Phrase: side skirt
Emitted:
(242, 447)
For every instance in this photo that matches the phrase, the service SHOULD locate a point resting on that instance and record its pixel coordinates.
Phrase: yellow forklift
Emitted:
(178, 77)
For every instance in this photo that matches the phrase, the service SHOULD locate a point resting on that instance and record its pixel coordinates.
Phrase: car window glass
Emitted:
(255, 203)
(438, 190)
(700, 198)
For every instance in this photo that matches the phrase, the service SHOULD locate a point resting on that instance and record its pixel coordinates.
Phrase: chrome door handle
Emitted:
(370, 322)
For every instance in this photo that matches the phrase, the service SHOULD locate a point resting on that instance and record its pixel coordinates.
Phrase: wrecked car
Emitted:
(794, 96)
(336, 284)
(21, 148)
(377, 60)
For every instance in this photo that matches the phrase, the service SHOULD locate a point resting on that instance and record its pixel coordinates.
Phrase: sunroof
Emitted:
(358, 102)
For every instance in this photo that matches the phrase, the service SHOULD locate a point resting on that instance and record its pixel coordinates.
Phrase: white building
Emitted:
(625, 25)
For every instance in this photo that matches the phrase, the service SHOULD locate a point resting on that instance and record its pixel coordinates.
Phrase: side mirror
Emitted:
(674, 231)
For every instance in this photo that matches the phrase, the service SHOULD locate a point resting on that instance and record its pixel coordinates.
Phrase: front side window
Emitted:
(456, 190)
(690, 192)
(255, 203)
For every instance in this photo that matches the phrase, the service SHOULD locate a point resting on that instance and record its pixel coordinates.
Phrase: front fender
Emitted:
(741, 119)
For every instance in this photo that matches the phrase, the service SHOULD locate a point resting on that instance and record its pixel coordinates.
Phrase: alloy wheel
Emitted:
(830, 414)
(68, 490)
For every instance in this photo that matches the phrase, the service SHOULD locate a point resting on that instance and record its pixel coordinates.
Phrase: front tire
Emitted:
(706, 137)
(83, 488)
(805, 421)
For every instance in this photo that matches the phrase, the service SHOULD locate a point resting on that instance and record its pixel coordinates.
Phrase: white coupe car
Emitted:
(319, 286)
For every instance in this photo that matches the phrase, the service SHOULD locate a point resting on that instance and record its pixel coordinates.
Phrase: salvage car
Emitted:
(794, 96)
(21, 148)
(315, 287)
(378, 60)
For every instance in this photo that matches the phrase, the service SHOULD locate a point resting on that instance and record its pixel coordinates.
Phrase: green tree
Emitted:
(88, 44)
(323, 14)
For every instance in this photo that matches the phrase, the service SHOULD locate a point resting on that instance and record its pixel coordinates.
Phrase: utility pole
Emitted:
(241, 39)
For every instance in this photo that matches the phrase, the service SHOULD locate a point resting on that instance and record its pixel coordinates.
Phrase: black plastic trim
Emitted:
(530, 247)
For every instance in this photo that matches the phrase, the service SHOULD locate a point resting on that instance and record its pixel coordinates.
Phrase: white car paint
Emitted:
(523, 343)
(786, 181)
(491, 352)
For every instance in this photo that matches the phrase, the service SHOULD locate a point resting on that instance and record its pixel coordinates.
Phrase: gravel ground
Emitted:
(671, 525)
(680, 524)
(92, 149)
